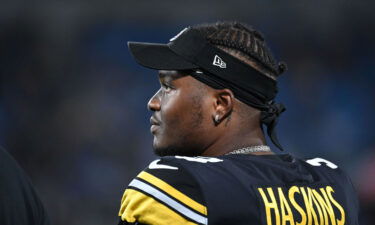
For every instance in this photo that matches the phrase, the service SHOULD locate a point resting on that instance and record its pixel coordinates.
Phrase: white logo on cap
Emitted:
(175, 37)
(219, 62)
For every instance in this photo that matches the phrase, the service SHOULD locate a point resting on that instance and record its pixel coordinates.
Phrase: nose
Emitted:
(154, 102)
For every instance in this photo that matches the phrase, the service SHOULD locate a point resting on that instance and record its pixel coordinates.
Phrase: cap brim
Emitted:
(158, 56)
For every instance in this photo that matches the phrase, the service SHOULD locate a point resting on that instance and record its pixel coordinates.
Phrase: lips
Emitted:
(154, 125)
(154, 121)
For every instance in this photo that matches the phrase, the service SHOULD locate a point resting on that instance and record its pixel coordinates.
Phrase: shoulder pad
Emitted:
(163, 193)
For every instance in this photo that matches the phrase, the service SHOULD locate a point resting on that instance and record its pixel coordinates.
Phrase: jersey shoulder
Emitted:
(327, 170)
(163, 193)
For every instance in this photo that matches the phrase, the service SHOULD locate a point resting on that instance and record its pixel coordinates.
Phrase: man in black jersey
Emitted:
(218, 83)
(19, 203)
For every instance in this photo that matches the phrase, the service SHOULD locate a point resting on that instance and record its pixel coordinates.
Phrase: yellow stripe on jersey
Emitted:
(173, 192)
(138, 207)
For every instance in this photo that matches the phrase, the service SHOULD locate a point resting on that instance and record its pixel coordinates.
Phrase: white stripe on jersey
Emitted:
(169, 201)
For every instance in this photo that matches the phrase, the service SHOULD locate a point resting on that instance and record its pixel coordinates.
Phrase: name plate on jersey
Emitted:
(300, 205)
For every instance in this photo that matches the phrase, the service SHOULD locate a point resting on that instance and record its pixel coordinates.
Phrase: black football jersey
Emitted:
(241, 190)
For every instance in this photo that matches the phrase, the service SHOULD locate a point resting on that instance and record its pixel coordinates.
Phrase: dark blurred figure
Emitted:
(367, 189)
(19, 203)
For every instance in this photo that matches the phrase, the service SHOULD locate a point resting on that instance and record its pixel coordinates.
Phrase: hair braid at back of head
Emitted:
(246, 43)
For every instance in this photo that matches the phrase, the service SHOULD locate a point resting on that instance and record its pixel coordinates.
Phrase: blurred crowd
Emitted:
(73, 102)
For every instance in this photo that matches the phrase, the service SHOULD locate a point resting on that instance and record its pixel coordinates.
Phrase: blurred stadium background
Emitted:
(73, 102)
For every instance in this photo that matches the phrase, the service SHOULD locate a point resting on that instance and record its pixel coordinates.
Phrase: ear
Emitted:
(223, 105)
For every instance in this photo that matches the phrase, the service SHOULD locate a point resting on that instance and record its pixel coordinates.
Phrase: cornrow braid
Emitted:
(245, 43)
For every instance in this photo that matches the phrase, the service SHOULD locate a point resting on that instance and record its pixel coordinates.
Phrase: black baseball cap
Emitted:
(189, 50)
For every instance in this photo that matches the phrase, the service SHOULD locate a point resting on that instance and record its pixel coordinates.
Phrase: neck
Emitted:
(232, 140)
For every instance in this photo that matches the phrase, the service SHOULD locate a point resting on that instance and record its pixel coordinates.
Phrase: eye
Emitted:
(166, 87)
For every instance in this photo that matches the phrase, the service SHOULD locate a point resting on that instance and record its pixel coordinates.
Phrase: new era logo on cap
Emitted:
(219, 62)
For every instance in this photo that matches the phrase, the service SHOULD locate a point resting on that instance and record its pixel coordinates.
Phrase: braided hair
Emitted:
(244, 43)
(248, 45)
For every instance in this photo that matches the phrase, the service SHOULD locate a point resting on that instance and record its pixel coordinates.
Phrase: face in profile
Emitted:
(180, 119)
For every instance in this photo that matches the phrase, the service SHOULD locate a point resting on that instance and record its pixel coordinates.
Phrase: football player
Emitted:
(218, 84)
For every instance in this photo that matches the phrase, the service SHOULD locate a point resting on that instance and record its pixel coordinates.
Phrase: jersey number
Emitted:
(199, 159)
(319, 161)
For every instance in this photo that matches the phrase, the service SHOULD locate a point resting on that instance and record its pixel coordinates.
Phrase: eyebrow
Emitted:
(171, 76)
(164, 78)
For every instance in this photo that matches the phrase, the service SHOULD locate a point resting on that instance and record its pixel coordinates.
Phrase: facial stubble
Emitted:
(182, 143)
